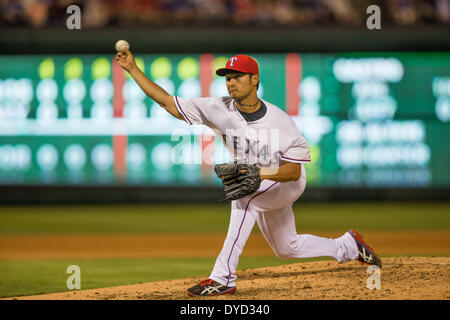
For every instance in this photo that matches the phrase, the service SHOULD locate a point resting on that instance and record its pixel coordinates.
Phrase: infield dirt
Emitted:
(54, 246)
(401, 278)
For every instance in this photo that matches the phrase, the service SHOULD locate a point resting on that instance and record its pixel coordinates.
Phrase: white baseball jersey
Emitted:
(269, 141)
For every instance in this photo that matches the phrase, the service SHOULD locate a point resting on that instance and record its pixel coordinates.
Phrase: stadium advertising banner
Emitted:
(371, 120)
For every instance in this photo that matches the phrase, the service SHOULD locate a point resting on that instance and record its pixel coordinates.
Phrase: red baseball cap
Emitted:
(239, 63)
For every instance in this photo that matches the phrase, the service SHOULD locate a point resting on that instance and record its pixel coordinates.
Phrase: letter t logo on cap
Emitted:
(232, 60)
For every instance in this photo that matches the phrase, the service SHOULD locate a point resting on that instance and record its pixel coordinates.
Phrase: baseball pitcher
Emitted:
(265, 178)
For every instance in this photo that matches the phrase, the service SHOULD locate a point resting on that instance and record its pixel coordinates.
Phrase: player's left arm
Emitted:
(286, 172)
(151, 89)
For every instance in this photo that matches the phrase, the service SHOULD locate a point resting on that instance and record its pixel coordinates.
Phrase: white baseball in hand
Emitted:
(122, 46)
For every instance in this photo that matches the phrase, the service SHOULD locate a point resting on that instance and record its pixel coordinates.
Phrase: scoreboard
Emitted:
(370, 119)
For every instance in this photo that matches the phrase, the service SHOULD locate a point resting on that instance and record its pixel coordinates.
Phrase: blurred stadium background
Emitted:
(374, 106)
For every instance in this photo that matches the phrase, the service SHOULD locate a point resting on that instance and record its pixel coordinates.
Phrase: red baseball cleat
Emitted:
(209, 287)
(366, 253)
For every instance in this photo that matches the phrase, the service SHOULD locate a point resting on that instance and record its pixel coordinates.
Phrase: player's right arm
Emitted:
(151, 89)
(287, 172)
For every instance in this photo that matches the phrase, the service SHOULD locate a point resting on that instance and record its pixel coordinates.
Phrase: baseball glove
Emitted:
(239, 180)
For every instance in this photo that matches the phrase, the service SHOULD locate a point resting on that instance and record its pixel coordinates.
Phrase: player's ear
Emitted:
(255, 79)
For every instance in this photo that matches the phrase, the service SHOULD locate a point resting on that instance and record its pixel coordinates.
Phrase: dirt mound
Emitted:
(401, 278)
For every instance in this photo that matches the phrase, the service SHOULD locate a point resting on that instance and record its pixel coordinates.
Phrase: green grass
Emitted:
(21, 277)
(215, 218)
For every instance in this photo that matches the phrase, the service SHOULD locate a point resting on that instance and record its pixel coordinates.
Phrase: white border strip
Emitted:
(294, 160)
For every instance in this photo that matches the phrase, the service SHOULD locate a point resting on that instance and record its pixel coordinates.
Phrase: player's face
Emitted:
(240, 85)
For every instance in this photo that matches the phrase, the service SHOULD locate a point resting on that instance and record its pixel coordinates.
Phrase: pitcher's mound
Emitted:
(400, 278)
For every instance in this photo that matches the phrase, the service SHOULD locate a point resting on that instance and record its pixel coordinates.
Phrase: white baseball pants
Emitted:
(271, 208)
